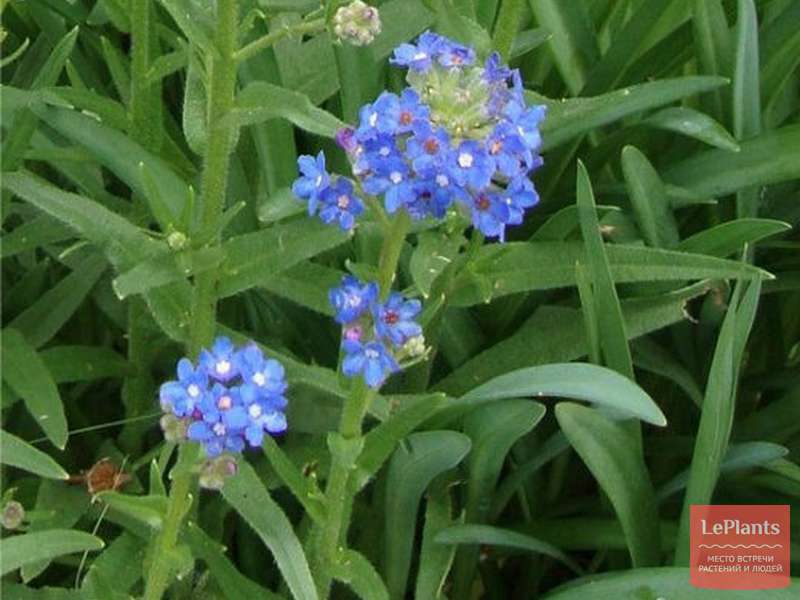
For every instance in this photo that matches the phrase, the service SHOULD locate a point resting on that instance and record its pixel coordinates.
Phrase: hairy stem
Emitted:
(222, 71)
(327, 540)
(273, 37)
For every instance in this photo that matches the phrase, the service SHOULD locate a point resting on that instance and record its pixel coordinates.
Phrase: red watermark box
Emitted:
(740, 546)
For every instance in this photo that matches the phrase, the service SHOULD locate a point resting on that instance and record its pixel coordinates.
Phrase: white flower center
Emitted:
(442, 180)
(193, 390)
(373, 119)
(224, 403)
(396, 176)
(371, 353)
(223, 367)
(318, 181)
(259, 378)
(254, 411)
(465, 160)
(420, 56)
(353, 301)
(385, 151)
(343, 201)
(219, 429)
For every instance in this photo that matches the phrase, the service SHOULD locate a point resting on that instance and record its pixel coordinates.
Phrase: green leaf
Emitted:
(610, 323)
(413, 466)
(19, 550)
(20, 454)
(712, 42)
(68, 364)
(434, 252)
(381, 441)
(303, 488)
(564, 329)
(194, 108)
(612, 455)
(737, 458)
(665, 582)
(253, 257)
(41, 321)
(578, 381)
(148, 510)
(37, 232)
(232, 583)
(649, 356)
(193, 21)
(505, 538)
(569, 119)
(435, 559)
(262, 101)
(729, 237)
(165, 268)
(717, 173)
(693, 123)
(356, 572)
(25, 373)
(516, 267)
(649, 200)
(780, 53)
(248, 496)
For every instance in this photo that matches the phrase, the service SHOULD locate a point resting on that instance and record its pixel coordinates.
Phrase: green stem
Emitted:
(273, 37)
(221, 89)
(327, 540)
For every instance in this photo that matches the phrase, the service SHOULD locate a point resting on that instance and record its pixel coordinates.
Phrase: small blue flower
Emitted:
(180, 397)
(397, 115)
(490, 213)
(314, 181)
(264, 414)
(339, 204)
(371, 360)
(428, 149)
(221, 422)
(494, 69)
(266, 375)
(452, 54)
(508, 149)
(394, 319)
(352, 298)
(430, 200)
(219, 363)
(471, 165)
(519, 196)
(418, 57)
(527, 121)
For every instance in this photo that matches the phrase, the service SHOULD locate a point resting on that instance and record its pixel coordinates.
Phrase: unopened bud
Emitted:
(13, 514)
(216, 470)
(415, 346)
(177, 240)
(357, 23)
(174, 428)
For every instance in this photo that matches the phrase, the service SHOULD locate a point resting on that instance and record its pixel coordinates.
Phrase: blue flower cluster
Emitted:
(375, 334)
(460, 134)
(232, 396)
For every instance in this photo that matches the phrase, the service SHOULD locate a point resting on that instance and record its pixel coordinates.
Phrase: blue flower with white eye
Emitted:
(265, 375)
(220, 421)
(519, 196)
(371, 360)
(527, 121)
(314, 180)
(418, 57)
(397, 114)
(339, 204)
(428, 149)
(264, 414)
(219, 362)
(352, 298)
(395, 319)
(470, 165)
(182, 396)
(508, 149)
(490, 214)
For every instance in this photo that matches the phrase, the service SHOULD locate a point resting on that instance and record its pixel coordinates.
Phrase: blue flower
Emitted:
(221, 423)
(452, 54)
(266, 376)
(314, 181)
(418, 57)
(352, 298)
(494, 70)
(396, 115)
(182, 396)
(219, 363)
(471, 165)
(508, 150)
(527, 121)
(339, 204)
(430, 200)
(394, 319)
(519, 196)
(428, 149)
(264, 414)
(490, 213)
(372, 360)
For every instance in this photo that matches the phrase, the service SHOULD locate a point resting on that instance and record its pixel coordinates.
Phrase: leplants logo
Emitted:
(740, 547)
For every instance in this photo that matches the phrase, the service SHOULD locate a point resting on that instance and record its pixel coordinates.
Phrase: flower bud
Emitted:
(357, 23)
(174, 428)
(177, 240)
(13, 515)
(216, 470)
(414, 347)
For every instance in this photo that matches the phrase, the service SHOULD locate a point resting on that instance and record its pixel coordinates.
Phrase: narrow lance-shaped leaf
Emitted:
(18, 550)
(15, 452)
